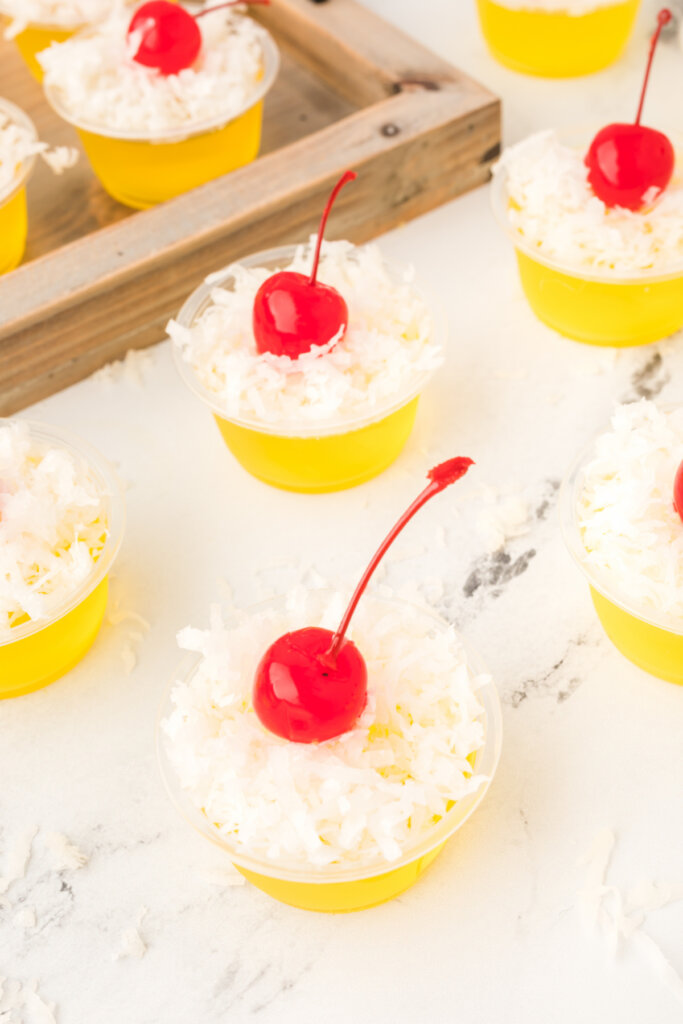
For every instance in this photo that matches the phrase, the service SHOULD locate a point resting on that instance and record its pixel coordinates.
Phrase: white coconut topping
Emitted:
(359, 798)
(18, 143)
(53, 526)
(64, 14)
(555, 211)
(388, 345)
(631, 532)
(94, 79)
(574, 8)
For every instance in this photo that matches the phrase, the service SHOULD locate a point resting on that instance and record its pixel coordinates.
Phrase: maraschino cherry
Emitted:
(311, 685)
(678, 491)
(293, 312)
(170, 39)
(629, 165)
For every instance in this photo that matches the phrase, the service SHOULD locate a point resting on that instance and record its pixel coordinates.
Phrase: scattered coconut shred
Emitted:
(388, 345)
(555, 210)
(96, 81)
(18, 143)
(632, 534)
(52, 526)
(359, 798)
(66, 13)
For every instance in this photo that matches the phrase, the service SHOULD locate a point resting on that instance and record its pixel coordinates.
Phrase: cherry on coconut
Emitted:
(293, 312)
(678, 491)
(170, 38)
(629, 164)
(311, 684)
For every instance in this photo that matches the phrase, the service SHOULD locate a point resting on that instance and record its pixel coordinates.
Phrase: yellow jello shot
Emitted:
(15, 170)
(36, 24)
(327, 861)
(60, 536)
(557, 38)
(150, 136)
(622, 529)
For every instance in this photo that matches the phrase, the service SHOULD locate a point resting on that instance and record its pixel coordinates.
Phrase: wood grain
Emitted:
(119, 276)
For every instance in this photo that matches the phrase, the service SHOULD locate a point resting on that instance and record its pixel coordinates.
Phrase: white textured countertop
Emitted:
(492, 934)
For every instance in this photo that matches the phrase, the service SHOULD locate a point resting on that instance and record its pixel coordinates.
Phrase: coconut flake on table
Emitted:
(388, 345)
(60, 13)
(97, 82)
(52, 526)
(18, 143)
(556, 212)
(631, 532)
(574, 8)
(359, 798)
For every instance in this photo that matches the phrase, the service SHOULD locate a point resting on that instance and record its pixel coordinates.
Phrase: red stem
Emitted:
(439, 479)
(231, 3)
(663, 18)
(344, 180)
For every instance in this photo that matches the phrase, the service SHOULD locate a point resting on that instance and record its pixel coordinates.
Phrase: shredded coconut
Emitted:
(389, 343)
(631, 532)
(359, 798)
(54, 13)
(25, 918)
(573, 8)
(503, 517)
(132, 943)
(64, 854)
(16, 858)
(18, 143)
(95, 80)
(555, 211)
(53, 526)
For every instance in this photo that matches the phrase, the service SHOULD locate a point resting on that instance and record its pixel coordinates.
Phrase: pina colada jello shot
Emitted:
(164, 100)
(331, 764)
(36, 24)
(61, 525)
(557, 38)
(622, 517)
(312, 359)
(598, 230)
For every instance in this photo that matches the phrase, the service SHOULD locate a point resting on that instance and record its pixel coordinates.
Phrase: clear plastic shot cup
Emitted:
(304, 456)
(37, 36)
(13, 211)
(593, 306)
(650, 640)
(337, 888)
(142, 169)
(34, 654)
(556, 44)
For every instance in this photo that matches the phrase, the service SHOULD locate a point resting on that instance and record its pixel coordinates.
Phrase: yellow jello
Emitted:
(556, 44)
(36, 38)
(36, 653)
(141, 171)
(13, 212)
(338, 888)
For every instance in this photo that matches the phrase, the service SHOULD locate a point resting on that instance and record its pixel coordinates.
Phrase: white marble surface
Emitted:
(492, 933)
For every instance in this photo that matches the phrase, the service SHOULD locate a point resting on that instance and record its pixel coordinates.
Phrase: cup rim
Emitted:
(570, 490)
(18, 116)
(498, 196)
(486, 762)
(271, 66)
(107, 477)
(200, 299)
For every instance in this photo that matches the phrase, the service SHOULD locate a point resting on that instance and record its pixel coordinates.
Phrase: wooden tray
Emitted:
(353, 92)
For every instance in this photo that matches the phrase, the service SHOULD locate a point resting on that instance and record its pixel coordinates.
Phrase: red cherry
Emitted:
(293, 312)
(678, 491)
(629, 165)
(311, 685)
(170, 36)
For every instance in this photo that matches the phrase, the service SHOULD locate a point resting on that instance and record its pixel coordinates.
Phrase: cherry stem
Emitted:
(344, 180)
(231, 3)
(440, 478)
(663, 18)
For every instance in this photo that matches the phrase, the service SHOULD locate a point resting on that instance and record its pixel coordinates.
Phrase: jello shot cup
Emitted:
(305, 456)
(339, 888)
(594, 306)
(37, 36)
(576, 38)
(34, 654)
(142, 169)
(653, 641)
(13, 212)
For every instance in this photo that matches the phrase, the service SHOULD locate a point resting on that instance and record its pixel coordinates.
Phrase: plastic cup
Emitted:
(35, 654)
(337, 888)
(594, 306)
(37, 37)
(143, 169)
(650, 640)
(300, 456)
(556, 44)
(13, 212)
